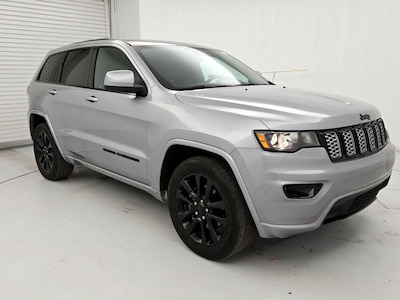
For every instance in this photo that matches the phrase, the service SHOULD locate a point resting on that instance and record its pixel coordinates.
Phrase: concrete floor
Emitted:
(91, 237)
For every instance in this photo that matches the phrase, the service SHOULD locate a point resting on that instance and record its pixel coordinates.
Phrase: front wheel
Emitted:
(208, 209)
(48, 159)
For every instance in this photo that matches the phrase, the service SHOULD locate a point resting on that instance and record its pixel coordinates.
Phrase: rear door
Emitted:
(65, 77)
(115, 125)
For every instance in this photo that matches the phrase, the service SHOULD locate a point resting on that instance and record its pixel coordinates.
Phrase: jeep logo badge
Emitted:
(365, 117)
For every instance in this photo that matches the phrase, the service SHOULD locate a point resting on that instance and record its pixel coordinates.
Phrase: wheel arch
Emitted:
(38, 117)
(178, 151)
(34, 120)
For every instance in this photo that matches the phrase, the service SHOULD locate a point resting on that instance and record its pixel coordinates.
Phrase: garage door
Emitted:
(28, 29)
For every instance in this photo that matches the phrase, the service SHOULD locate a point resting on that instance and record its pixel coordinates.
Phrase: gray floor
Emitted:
(90, 237)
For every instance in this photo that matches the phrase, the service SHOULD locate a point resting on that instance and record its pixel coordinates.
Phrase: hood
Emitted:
(282, 108)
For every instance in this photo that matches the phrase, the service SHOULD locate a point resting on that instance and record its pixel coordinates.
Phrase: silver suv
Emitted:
(233, 154)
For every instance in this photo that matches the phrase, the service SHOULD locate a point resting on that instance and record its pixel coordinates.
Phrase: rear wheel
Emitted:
(208, 210)
(48, 159)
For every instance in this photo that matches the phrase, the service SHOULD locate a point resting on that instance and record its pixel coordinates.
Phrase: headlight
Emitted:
(286, 141)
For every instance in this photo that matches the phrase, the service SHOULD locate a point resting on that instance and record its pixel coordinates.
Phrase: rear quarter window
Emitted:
(51, 71)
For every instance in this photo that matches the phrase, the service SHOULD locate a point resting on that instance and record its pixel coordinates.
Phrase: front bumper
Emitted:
(265, 173)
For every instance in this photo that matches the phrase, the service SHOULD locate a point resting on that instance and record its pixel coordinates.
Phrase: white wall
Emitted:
(124, 19)
(349, 47)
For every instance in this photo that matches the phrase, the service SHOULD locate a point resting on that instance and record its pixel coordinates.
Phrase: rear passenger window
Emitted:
(51, 70)
(76, 67)
(110, 59)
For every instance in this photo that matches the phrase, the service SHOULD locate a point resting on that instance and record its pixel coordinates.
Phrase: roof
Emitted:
(132, 42)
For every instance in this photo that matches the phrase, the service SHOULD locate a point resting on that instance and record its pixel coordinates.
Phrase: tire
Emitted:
(208, 210)
(48, 159)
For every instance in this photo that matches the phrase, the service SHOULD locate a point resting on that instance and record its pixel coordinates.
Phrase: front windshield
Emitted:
(185, 68)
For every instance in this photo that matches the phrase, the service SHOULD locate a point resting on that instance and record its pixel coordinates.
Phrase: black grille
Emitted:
(353, 142)
(350, 205)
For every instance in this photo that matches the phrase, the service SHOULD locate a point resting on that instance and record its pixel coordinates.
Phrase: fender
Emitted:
(226, 156)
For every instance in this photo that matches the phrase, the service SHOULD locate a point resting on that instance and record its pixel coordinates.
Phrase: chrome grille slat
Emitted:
(383, 131)
(362, 141)
(349, 144)
(333, 143)
(371, 138)
(378, 135)
(356, 141)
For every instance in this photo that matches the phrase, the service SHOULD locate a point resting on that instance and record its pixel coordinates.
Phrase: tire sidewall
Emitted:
(53, 174)
(227, 190)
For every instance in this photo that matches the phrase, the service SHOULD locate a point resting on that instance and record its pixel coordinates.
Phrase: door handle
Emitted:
(52, 92)
(92, 99)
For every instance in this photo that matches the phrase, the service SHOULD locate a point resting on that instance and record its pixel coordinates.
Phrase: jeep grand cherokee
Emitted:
(233, 154)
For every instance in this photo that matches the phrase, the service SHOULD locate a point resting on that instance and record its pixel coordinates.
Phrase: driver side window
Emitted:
(110, 59)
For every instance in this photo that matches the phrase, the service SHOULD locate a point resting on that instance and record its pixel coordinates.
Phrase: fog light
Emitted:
(301, 191)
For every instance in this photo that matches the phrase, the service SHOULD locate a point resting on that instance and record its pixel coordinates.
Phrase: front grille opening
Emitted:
(354, 142)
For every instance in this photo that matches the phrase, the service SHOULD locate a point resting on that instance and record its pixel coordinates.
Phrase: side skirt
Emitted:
(136, 184)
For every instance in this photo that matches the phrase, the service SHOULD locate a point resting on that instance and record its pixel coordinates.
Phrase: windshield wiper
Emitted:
(203, 86)
(249, 84)
(193, 87)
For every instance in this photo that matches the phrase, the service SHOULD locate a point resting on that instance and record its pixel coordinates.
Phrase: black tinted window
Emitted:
(51, 70)
(75, 68)
(182, 68)
(110, 59)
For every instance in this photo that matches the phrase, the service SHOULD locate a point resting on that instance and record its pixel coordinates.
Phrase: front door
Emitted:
(115, 126)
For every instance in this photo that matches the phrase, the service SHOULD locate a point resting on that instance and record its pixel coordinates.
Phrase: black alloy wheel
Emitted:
(201, 209)
(48, 159)
(208, 209)
(44, 152)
